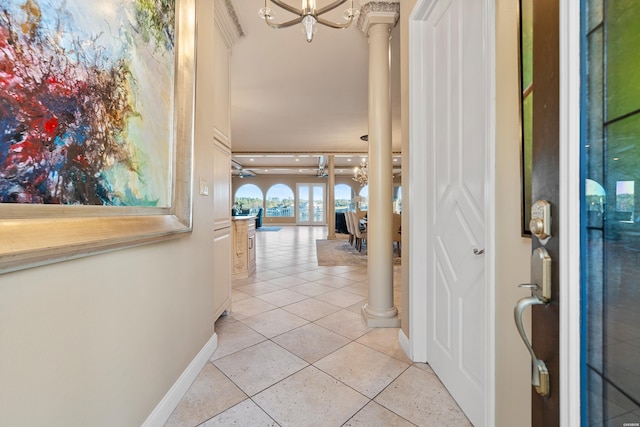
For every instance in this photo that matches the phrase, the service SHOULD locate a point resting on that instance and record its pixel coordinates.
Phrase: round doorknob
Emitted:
(536, 225)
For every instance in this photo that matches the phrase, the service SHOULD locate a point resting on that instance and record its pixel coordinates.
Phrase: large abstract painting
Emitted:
(96, 126)
(86, 99)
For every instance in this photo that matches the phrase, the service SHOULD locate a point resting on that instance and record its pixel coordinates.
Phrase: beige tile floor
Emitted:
(293, 351)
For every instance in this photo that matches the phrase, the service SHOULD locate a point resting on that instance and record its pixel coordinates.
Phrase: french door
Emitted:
(310, 209)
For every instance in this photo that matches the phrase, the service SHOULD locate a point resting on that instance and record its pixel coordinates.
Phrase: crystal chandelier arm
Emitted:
(329, 7)
(333, 24)
(284, 24)
(287, 7)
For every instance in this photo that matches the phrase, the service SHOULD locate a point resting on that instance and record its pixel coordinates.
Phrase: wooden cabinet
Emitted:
(222, 233)
(222, 268)
(214, 85)
(244, 246)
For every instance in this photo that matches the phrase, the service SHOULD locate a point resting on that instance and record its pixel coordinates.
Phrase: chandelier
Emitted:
(308, 15)
(361, 174)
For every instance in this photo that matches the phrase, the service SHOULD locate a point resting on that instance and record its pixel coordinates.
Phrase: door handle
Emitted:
(539, 371)
(540, 294)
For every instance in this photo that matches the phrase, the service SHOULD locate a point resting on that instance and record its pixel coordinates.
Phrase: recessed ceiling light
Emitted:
(251, 160)
(616, 159)
(348, 160)
(395, 160)
(297, 160)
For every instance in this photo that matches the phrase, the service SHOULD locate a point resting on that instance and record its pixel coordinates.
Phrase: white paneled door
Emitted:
(456, 111)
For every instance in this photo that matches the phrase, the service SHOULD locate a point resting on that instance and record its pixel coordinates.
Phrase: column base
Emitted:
(380, 319)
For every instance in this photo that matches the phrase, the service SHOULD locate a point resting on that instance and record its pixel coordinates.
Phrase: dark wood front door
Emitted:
(545, 186)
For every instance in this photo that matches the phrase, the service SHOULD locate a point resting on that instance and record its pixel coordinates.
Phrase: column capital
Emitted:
(378, 12)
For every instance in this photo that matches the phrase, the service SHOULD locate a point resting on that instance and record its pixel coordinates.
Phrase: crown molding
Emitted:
(228, 21)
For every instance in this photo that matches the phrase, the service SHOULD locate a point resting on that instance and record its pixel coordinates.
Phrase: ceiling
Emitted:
(293, 102)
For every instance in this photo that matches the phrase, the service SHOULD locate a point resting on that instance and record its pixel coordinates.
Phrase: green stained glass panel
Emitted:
(527, 42)
(623, 150)
(623, 57)
(527, 144)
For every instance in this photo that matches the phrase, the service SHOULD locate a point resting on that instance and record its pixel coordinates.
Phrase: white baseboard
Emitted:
(164, 409)
(405, 344)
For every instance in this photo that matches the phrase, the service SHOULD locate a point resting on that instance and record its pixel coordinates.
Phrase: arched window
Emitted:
(280, 201)
(248, 199)
(344, 198)
(364, 198)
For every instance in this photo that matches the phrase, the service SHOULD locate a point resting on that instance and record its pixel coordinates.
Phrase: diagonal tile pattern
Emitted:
(294, 352)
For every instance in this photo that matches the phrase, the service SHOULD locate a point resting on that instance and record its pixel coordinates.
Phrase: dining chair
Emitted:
(360, 235)
(396, 230)
(348, 221)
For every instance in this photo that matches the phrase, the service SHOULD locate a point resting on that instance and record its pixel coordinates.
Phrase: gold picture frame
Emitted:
(34, 235)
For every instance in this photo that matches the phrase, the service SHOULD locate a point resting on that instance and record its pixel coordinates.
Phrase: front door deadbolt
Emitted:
(540, 224)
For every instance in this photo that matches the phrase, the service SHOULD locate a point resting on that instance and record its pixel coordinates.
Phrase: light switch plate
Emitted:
(204, 187)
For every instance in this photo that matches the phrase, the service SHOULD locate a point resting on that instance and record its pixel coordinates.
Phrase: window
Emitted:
(248, 199)
(280, 201)
(364, 198)
(343, 198)
(397, 199)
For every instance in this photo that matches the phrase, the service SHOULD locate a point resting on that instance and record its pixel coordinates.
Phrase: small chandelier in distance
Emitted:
(309, 16)
(361, 174)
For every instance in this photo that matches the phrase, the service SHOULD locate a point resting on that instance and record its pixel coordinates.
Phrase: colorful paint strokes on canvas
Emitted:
(86, 102)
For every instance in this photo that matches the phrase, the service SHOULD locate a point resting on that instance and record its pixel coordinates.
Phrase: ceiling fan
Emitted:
(242, 173)
(322, 173)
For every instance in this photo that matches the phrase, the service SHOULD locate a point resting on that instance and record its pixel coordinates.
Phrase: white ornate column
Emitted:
(376, 20)
(331, 200)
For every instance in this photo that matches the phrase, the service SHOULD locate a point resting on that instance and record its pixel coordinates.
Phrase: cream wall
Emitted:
(99, 341)
(513, 364)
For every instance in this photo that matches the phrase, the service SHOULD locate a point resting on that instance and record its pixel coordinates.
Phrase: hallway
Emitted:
(294, 351)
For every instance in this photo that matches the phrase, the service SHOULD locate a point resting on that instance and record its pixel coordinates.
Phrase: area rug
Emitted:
(340, 252)
(268, 228)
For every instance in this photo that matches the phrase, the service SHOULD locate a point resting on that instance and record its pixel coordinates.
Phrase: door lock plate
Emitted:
(540, 224)
(543, 379)
(541, 274)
